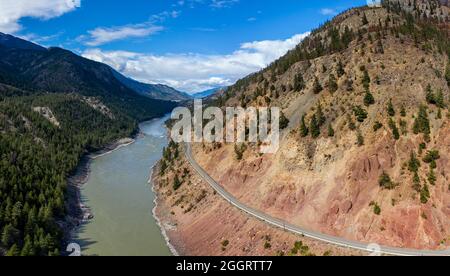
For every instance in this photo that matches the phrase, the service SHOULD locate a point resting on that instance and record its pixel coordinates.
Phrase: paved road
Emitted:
(298, 230)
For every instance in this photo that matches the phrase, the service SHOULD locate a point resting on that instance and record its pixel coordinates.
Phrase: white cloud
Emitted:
(328, 11)
(196, 72)
(102, 36)
(11, 11)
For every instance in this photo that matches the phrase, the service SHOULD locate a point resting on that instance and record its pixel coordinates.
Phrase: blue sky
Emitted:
(191, 45)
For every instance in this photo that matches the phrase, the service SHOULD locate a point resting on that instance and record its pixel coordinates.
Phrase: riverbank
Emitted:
(77, 212)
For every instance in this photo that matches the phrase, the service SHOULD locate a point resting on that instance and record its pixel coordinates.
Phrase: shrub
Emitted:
(377, 126)
(360, 113)
(432, 155)
(360, 139)
(386, 182)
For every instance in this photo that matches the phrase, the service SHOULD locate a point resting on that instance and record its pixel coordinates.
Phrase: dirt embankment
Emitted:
(200, 222)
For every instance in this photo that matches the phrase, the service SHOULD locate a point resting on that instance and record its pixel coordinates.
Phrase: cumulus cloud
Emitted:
(196, 72)
(11, 11)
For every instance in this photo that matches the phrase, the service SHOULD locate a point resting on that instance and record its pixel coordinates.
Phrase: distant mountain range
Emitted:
(207, 93)
(154, 91)
(29, 66)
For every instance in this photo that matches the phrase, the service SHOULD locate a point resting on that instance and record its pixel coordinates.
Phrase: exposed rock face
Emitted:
(332, 184)
(48, 114)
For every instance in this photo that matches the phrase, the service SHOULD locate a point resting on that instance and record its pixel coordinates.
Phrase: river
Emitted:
(121, 199)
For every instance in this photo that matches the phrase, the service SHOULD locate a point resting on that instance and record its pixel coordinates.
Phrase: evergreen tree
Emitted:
(340, 69)
(394, 128)
(360, 113)
(284, 122)
(176, 183)
(422, 123)
(359, 139)
(330, 131)
(320, 115)
(391, 109)
(366, 79)
(332, 84)
(304, 131)
(299, 82)
(368, 98)
(314, 127)
(447, 74)
(365, 21)
(317, 87)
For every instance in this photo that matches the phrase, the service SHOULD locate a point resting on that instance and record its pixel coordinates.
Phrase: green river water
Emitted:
(121, 200)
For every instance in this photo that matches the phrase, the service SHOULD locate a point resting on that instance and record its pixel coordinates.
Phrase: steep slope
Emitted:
(366, 153)
(154, 91)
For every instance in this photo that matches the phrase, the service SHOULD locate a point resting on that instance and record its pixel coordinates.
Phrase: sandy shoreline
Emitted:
(155, 213)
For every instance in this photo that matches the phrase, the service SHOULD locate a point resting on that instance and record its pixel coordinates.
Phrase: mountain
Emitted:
(30, 67)
(10, 41)
(55, 107)
(207, 93)
(364, 152)
(154, 91)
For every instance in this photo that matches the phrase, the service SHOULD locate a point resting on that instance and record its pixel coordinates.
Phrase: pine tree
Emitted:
(447, 74)
(360, 139)
(317, 87)
(394, 128)
(299, 82)
(366, 79)
(414, 163)
(340, 69)
(369, 99)
(314, 127)
(391, 109)
(332, 84)
(320, 115)
(176, 183)
(304, 131)
(284, 122)
(432, 177)
(330, 131)
(365, 21)
(13, 251)
(422, 123)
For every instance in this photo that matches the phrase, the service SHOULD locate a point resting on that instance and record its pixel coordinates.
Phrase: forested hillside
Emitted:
(54, 107)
